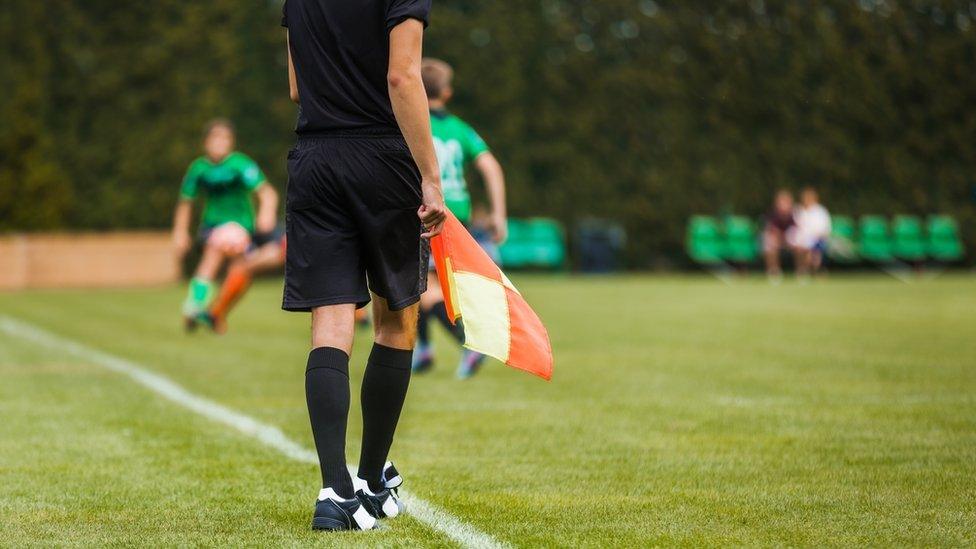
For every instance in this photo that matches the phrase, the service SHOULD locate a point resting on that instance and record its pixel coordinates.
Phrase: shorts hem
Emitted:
(403, 303)
(306, 305)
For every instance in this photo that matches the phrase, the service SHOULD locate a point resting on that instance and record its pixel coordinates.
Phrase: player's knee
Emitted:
(229, 240)
(430, 298)
(211, 246)
(433, 295)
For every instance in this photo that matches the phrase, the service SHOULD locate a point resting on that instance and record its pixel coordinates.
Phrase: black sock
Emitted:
(423, 328)
(327, 395)
(384, 390)
(439, 311)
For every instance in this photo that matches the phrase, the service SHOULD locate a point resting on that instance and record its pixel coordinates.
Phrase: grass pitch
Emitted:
(682, 412)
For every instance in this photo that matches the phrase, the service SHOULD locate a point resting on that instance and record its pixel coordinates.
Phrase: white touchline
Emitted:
(438, 519)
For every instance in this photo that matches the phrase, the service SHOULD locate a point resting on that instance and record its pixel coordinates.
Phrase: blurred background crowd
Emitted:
(619, 119)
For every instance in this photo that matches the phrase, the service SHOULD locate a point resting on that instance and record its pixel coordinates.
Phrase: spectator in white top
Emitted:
(812, 232)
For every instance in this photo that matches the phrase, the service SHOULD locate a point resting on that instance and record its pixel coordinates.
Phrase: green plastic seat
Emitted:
(874, 240)
(704, 241)
(842, 247)
(944, 243)
(548, 243)
(536, 243)
(515, 252)
(741, 240)
(909, 238)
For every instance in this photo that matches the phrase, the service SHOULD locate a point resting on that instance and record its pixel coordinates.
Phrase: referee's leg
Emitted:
(327, 392)
(385, 386)
(396, 329)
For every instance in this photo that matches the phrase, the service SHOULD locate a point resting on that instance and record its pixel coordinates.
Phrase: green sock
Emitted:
(198, 296)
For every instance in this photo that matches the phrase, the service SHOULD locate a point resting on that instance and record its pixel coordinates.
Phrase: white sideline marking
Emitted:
(269, 435)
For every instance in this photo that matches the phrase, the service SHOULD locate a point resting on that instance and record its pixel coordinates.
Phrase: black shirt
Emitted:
(341, 53)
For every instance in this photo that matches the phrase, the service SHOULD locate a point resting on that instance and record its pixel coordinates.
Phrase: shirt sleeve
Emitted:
(401, 10)
(473, 145)
(284, 14)
(251, 173)
(190, 187)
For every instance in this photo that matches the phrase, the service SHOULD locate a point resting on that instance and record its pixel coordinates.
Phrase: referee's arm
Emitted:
(292, 79)
(412, 113)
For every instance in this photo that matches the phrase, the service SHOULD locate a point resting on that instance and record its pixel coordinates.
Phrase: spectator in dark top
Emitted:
(777, 233)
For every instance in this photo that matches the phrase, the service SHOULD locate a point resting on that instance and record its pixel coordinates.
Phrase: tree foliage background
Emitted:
(644, 111)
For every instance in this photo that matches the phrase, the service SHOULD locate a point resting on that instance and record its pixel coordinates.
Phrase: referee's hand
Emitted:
(433, 212)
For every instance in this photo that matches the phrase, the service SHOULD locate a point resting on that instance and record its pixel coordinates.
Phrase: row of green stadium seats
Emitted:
(906, 238)
(710, 241)
(534, 243)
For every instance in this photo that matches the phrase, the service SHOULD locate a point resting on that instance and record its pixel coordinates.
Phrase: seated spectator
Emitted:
(812, 232)
(776, 234)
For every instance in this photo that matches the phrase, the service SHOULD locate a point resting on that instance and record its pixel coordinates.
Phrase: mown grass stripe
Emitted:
(269, 435)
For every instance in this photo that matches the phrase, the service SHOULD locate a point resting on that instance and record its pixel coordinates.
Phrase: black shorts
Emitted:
(351, 218)
(259, 240)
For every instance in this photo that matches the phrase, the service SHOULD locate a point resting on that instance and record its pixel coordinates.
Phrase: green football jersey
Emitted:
(457, 145)
(226, 188)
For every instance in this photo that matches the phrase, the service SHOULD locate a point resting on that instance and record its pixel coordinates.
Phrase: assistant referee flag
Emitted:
(497, 320)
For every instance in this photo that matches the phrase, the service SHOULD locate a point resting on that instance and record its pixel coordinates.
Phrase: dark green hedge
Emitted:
(640, 110)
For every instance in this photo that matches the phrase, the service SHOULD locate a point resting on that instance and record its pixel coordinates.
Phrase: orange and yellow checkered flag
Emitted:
(497, 320)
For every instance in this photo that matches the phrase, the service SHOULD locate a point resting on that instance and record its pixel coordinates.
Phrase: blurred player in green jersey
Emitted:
(227, 181)
(458, 147)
